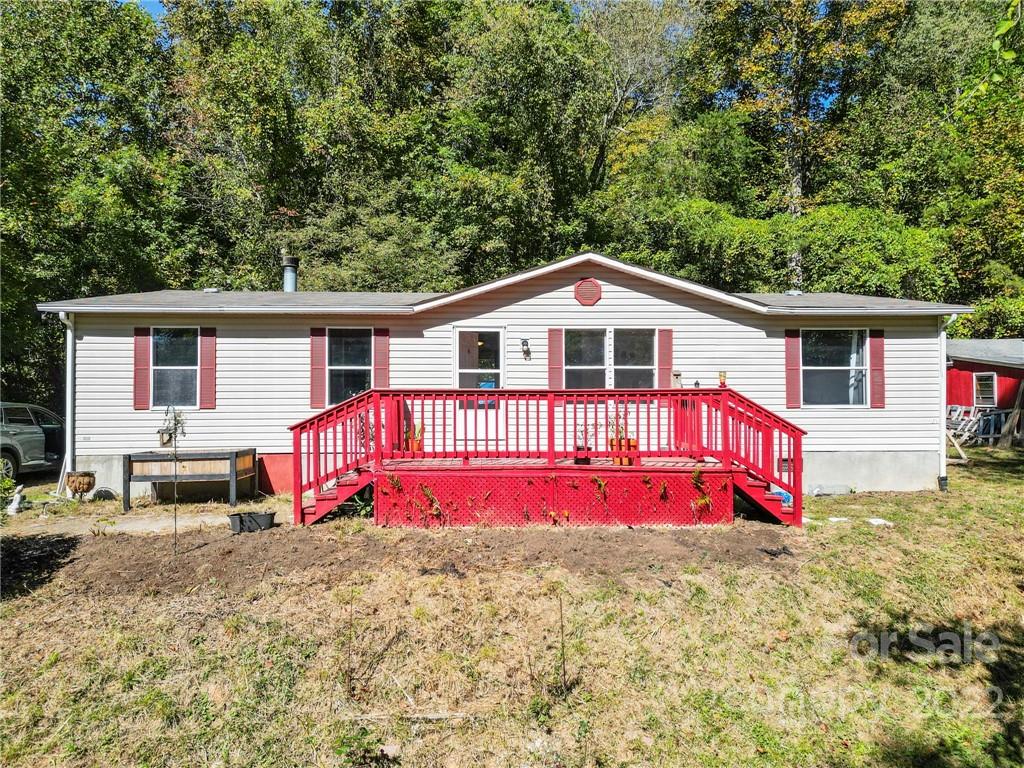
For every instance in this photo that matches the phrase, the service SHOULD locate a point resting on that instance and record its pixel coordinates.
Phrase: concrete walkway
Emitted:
(74, 525)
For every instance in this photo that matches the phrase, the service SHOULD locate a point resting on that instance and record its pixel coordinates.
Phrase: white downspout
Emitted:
(68, 319)
(943, 324)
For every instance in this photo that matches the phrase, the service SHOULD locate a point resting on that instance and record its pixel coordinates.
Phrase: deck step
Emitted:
(329, 499)
(758, 492)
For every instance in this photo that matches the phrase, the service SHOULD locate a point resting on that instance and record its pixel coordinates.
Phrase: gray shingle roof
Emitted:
(308, 302)
(241, 301)
(837, 302)
(992, 351)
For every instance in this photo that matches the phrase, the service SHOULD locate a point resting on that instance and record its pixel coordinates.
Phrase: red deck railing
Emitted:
(551, 425)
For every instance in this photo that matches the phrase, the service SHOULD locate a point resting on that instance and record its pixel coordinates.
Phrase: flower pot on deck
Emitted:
(414, 444)
(577, 459)
(622, 445)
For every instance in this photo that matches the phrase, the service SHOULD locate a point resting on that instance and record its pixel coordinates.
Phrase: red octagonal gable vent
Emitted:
(588, 292)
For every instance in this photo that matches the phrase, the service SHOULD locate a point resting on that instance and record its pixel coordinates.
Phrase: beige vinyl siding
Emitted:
(263, 363)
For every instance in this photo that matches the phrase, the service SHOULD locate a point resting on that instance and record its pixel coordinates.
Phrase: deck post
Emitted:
(378, 429)
(297, 475)
(551, 428)
(723, 408)
(126, 493)
(798, 481)
(233, 479)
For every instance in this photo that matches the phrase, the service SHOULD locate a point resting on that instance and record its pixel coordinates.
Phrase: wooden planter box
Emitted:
(192, 467)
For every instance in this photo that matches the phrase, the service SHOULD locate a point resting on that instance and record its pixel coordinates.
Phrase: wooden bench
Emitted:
(192, 467)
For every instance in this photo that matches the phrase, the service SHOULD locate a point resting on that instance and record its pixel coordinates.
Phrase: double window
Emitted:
(349, 362)
(834, 367)
(604, 358)
(175, 365)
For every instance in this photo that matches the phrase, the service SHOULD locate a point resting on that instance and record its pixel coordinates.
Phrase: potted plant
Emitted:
(414, 437)
(619, 440)
(80, 483)
(586, 438)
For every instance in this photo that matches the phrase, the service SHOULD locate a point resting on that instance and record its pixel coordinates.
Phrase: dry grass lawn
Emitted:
(349, 645)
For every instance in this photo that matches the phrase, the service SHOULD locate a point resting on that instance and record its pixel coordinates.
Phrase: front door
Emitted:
(479, 422)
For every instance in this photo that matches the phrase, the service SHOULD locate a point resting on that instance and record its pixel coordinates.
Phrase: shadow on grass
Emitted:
(29, 562)
(1004, 670)
(995, 465)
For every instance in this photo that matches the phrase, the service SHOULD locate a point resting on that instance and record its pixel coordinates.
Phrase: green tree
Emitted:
(89, 195)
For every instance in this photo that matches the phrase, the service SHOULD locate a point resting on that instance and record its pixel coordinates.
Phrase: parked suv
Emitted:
(31, 438)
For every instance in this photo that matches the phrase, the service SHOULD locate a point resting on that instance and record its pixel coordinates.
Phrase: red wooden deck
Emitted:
(518, 457)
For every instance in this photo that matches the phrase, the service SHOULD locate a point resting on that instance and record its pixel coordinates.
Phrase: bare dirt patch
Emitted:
(324, 554)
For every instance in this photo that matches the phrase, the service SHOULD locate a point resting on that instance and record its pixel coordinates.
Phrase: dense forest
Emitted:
(868, 146)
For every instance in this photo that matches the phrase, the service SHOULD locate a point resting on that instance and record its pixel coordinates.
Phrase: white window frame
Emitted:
(502, 354)
(153, 367)
(866, 405)
(995, 388)
(327, 358)
(612, 367)
(565, 357)
(609, 355)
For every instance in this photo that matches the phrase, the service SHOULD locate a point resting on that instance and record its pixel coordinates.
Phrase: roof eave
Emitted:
(871, 311)
(980, 361)
(325, 310)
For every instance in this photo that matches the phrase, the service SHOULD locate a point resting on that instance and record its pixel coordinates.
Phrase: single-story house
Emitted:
(984, 372)
(845, 391)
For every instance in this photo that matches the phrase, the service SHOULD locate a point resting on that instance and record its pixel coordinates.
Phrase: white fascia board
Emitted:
(604, 261)
(326, 310)
(870, 312)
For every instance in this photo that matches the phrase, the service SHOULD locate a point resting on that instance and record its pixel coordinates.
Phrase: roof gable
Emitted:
(598, 260)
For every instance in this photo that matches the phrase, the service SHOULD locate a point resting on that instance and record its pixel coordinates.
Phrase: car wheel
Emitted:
(8, 466)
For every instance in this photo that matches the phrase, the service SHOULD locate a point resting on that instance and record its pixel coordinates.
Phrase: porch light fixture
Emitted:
(527, 354)
(721, 378)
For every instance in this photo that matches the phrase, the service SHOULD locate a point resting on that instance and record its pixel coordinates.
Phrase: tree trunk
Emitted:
(597, 168)
(794, 207)
(794, 161)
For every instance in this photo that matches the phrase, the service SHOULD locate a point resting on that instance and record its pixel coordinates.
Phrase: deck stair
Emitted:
(504, 433)
(329, 499)
(759, 493)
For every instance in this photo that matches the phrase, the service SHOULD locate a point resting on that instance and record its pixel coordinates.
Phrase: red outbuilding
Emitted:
(984, 372)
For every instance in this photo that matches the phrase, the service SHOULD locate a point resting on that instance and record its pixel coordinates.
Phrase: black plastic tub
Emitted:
(248, 522)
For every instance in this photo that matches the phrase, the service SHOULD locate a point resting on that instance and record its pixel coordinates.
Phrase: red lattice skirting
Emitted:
(579, 496)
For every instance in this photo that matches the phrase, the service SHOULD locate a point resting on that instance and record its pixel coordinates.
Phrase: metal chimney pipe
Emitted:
(291, 271)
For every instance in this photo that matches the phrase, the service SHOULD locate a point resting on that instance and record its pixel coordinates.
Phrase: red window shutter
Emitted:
(793, 368)
(664, 358)
(207, 368)
(556, 359)
(141, 378)
(876, 361)
(317, 368)
(381, 358)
